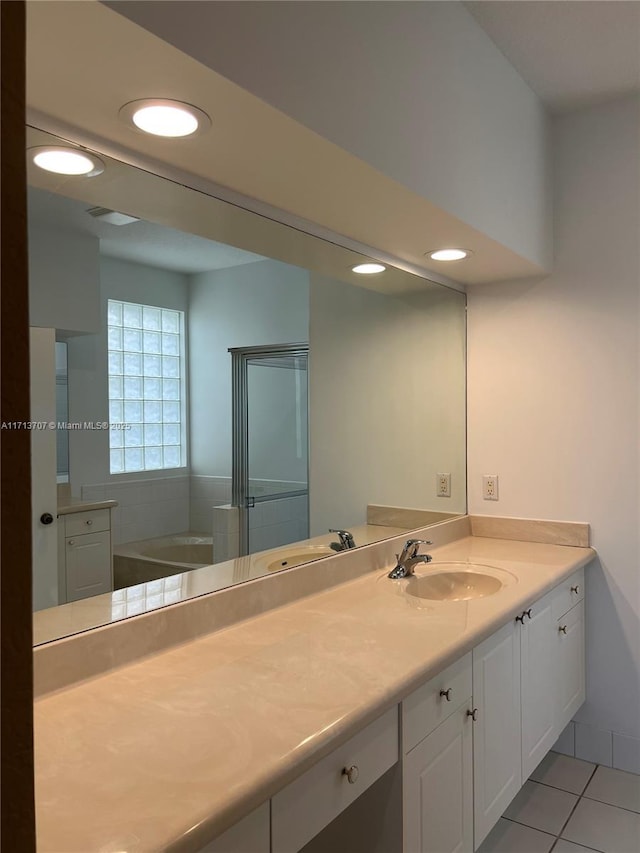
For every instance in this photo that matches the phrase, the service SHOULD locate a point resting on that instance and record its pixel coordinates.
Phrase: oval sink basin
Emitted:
(454, 586)
(287, 559)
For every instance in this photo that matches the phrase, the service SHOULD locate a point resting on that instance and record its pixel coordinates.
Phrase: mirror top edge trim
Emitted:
(40, 121)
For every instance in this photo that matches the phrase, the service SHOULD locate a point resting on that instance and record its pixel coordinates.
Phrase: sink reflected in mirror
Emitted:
(287, 558)
(458, 581)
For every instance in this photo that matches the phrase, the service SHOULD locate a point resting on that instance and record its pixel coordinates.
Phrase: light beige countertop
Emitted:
(76, 505)
(166, 753)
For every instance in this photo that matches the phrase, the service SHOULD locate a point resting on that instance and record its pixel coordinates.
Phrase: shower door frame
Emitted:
(240, 359)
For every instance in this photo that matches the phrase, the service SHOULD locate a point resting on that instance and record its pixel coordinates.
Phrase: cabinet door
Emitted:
(88, 563)
(538, 683)
(497, 749)
(570, 654)
(437, 782)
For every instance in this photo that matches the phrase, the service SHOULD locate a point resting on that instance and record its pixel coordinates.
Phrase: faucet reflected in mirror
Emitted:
(151, 313)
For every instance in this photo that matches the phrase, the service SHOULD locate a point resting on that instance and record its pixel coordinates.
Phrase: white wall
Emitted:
(417, 90)
(63, 279)
(266, 302)
(554, 394)
(387, 407)
(87, 361)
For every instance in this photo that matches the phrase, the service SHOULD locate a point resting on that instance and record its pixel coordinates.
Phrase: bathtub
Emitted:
(150, 559)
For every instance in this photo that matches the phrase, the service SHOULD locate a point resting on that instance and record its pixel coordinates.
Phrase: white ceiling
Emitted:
(572, 53)
(142, 242)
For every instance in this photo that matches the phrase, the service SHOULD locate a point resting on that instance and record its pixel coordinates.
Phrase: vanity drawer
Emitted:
(92, 521)
(312, 801)
(568, 593)
(250, 835)
(431, 704)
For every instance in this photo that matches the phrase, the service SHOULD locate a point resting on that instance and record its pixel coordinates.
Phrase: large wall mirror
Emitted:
(225, 390)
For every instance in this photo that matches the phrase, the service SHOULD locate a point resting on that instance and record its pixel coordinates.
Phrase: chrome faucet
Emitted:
(346, 540)
(409, 558)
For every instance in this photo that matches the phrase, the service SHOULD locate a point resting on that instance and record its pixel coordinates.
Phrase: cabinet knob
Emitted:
(89, 522)
(520, 618)
(447, 694)
(351, 773)
(473, 714)
(575, 589)
(46, 518)
(71, 542)
(527, 613)
(562, 629)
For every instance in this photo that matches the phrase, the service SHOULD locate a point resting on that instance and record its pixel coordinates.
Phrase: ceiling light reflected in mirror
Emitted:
(67, 161)
(368, 269)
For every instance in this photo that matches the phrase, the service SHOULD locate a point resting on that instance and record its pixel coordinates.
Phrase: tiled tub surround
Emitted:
(193, 726)
(206, 492)
(271, 524)
(146, 508)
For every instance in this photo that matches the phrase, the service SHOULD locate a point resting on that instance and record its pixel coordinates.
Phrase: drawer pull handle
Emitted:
(473, 714)
(575, 589)
(89, 522)
(446, 694)
(527, 613)
(562, 629)
(520, 618)
(351, 773)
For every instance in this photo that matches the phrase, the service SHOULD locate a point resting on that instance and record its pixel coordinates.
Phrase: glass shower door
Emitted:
(272, 488)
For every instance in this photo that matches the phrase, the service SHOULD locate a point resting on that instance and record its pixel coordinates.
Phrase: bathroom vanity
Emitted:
(85, 563)
(467, 740)
(274, 733)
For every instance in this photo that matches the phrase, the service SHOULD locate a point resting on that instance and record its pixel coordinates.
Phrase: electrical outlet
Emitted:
(443, 485)
(490, 487)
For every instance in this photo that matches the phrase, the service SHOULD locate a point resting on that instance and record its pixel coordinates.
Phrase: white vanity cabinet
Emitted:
(570, 661)
(469, 738)
(84, 554)
(527, 683)
(540, 681)
(437, 775)
(497, 739)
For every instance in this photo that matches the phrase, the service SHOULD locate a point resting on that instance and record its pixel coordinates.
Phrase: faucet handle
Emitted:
(411, 547)
(346, 539)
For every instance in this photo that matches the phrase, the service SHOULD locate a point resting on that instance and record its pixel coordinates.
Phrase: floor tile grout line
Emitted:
(575, 805)
(613, 805)
(543, 831)
(558, 788)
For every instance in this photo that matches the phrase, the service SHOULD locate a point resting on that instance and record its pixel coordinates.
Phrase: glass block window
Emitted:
(146, 387)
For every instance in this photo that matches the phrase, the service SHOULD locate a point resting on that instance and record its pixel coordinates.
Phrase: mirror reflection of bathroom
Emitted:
(170, 462)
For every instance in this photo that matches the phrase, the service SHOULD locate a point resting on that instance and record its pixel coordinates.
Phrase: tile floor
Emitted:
(571, 806)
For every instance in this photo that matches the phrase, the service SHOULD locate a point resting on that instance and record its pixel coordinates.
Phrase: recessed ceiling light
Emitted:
(368, 269)
(66, 161)
(449, 254)
(162, 117)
